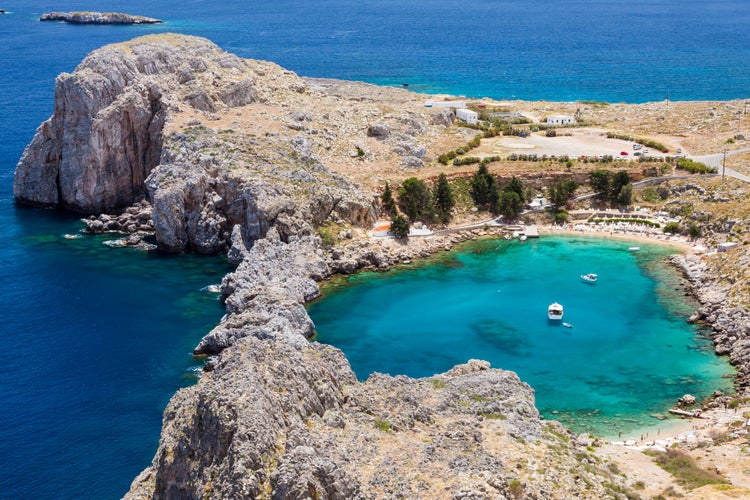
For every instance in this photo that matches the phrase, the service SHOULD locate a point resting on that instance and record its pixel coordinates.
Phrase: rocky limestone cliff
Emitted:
(274, 420)
(119, 133)
(730, 325)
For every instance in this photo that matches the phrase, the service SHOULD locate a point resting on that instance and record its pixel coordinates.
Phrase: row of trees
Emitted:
(418, 202)
(612, 188)
(487, 194)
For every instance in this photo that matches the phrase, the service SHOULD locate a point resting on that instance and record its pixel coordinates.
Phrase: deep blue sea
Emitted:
(97, 339)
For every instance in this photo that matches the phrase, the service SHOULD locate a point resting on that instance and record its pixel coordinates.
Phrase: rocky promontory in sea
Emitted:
(98, 18)
(171, 136)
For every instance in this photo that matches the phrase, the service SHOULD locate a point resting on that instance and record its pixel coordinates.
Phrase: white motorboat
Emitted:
(634, 249)
(589, 278)
(555, 311)
(523, 237)
(567, 325)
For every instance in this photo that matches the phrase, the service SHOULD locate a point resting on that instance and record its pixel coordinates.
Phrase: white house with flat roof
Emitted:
(560, 120)
(467, 115)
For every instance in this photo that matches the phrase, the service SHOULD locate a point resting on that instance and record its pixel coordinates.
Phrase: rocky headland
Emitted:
(171, 138)
(98, 18)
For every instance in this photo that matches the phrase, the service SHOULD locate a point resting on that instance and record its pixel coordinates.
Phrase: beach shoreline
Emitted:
(678, 242)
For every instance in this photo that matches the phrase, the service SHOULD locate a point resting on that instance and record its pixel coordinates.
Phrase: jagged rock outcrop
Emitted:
(113, 139)
(275, 420)
(98, 18)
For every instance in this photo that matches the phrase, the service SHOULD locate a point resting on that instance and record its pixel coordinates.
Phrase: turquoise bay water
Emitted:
(629, 354)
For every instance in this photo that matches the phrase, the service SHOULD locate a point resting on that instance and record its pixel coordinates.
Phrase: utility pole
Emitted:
(724, 165)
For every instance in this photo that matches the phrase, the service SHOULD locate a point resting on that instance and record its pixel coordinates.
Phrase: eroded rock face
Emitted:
(105, 136)
(109, 143)
(730, 325)
(224, 441)
(263, 420)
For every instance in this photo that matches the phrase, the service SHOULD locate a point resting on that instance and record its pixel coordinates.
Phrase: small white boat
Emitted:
(523, 237)
(555, 311)
(634, 249)
(567, 325)
(589, 278)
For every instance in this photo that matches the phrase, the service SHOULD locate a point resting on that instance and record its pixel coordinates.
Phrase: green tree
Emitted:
(672, 228)
(389, 204)
(619, 181)
(510, 205)
(415, 199)
(515, 185)
(561, 190)
(399, 227)
(561, 217)
(444, 199)
(482, 186)
(601, 182)
(625, 195)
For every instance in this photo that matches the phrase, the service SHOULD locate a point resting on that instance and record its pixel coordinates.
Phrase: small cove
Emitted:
(629, 355)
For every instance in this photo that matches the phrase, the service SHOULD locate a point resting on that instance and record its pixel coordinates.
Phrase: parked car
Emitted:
(623, 153)
(679, 150)
(637, 146)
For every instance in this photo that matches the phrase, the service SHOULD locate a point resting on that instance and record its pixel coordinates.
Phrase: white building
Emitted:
(467, 115)
(445, 104)
(538, 202)
(560, 120)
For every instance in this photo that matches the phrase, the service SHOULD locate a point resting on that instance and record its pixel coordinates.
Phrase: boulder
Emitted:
(686, 400)
(378, 130)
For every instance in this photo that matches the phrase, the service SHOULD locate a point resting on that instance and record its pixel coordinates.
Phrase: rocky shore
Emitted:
(730, 325)
(170, 136)
(98, 18)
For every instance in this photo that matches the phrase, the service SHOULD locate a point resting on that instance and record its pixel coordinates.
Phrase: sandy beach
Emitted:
(606, 232)
(707, 439)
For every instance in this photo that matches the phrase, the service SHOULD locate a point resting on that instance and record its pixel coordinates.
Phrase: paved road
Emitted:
(716, 160)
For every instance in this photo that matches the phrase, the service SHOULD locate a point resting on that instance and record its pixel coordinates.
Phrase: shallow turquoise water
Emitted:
(629, 354)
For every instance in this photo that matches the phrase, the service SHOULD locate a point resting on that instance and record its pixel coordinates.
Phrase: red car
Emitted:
(623, 153)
